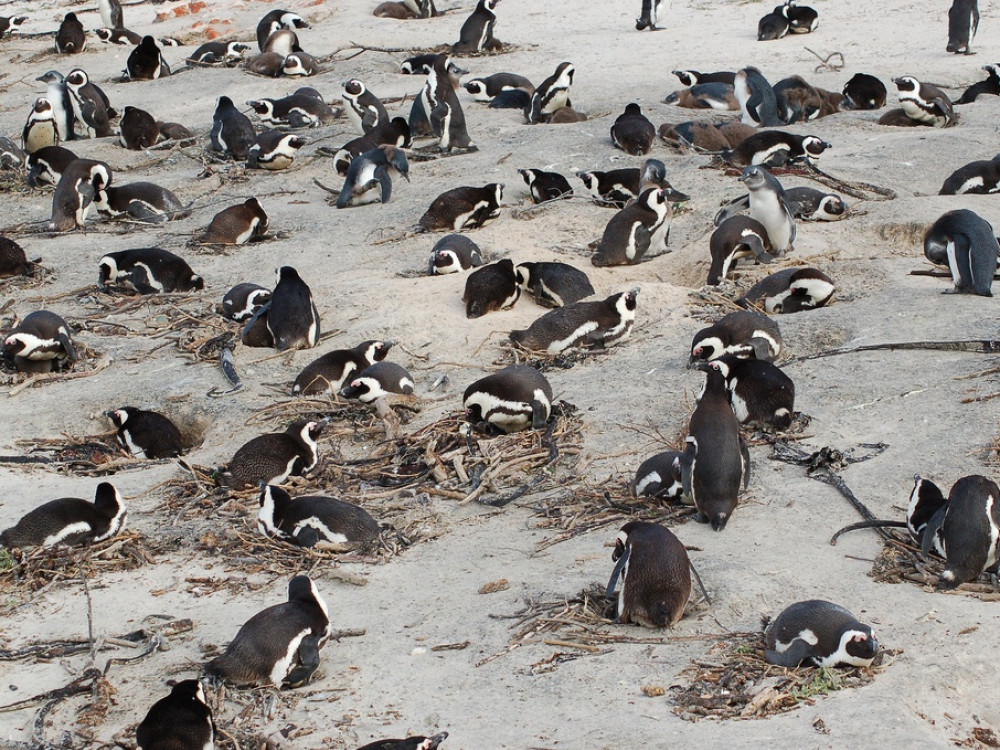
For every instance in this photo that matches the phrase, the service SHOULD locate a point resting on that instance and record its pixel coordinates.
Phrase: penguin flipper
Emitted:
(68, 347)
(757, 248)
(735, 206)
(760, 347)
(385, 181)
(641, 239)
(745, 453)
(438, 116)
(797, 651)
(931, 530)
(346, 192)
(308, 654)
(685, 465)
(962, 258)
(609, 591)
(538, 415)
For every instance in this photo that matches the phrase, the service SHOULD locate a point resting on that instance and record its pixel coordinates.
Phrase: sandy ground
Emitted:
(362, 266)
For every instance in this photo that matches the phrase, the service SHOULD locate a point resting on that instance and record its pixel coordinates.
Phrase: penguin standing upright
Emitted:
(820, 634)
(770, 206)
(443, 108)
(551, 96)
(716, 461)
(516, 398)
(756, 98)
(181, 719)
(363, 108)
(632, 132)
(41, 130)
(967, 244)
(292, 318)
(647, 15)
(76, 191)
(737, 237)
(58, 96)
(70, 520)
(145, 62)
(280, 645)
(274, 457)
(71, 38)
(232, 132)
(369, 176)
(477, 31)
(963, 22)
(90, 103)
(111, 14)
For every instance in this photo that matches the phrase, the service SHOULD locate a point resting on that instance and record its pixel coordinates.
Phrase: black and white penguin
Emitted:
(477, 31)
(632, 131)
(424, 102)
(395, 132)
(280, 645)
(553, 284)
(118, 36)
(454, 253)
(775, 148)
(769, 205)
(924, 103)
(501, 90)
(818, 634)
(12, 157)
(140, 201)
(756, 98)
(41, 341)
(628, 235)
(369, 176)
(303, 108)
(292, 317)
(490, 288)
(10, 25)
(274, 457)
(647, 15)
(926, 499)
(545, 186)
(300, 64)
(417, 742)
(237, 224)
(90, 104)
(70, 521)
(58, 96)
(614, 188)
(744, 333)
(277, 20)
(552, 95)
(715, 95)
(364, 109)
(378, 380)
(758, 391)
(71, 38)
(772, 26)
(111, 13)
(418, 64)
(801, 18)
(181, 719)
(659, 477)
(516, 398)
(806, 203)
(964, 530)
(75, 192)
(716, 461)
(313, 521)
(421, 8)
(967, 244)
(975, 177)
(13, 261)
(138, 129)
(333, 369)
(463, 208)
(799, 101)
(146, 434)
(443, 107)
(274, 150)
(244, 300)
(581, 325)
(146, 62)
(790, 290)
(988, 87)
(41, 129)
(279, 45)
(694, 77)
(864, 91)
(232, 132)
(963, 22)
(655, 574)
(148, 270)
(219, 53)
(736, 238)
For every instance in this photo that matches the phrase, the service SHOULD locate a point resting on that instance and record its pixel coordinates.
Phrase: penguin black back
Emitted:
(180, 721)
(491, 287)
(70, 520)
(819, 633)
(967, 243)
(655, 575)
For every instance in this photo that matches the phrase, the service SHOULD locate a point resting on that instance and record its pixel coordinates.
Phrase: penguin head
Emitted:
(859, 642)
(273, 499)
(906, 84)
(376, 351)
(42, 106)
(77, 78)
(354, 88)
(633, 110)
(53, 76)
(926, 499)
(705, 347)
(224, 104)
(628, 301)
(120, 417)
(589, 179)
(236, 49)
(364, 390)
(297, 65)
(108, 500)
(263, 107)
(523, 272)
(814, 146)
(992, 70)
(149, 46)
(686, 77)
(476, 87)
(293, 21)
(832, 205)
(528, 175)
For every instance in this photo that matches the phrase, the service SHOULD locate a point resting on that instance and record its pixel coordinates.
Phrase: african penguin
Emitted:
(745, 333)
(313, 521)
(718, 96)
(244, 300)
(300, 64)
(963, 22)
(277, 20)
(463, 208)
(756, 98)
(864, 91)
(270, 64)
(274, 457)
(232, 132)
(332, 370)
(632, 131)
(140, 201)
(975, 177)
(490, 288)
(551, 96)
(148, 270)
(801, 18)
(990, 86)
(280, 645)
(237, 224)
(545, 186)
(799, 101)
(369, 176)
(395, 132)
(219, 53)
(772, 26)
(118, 36)
(417, 742)
(41, 129)
(501, 90)
(758, 391)
(553, 284)
(769, 206)
(581, 325)
(806, 203)
(694, 77)
(41, 342)
(819, 634)
(790, 290)
(146, 434)
(71, 38)
(303, 108)
(774, 148)
(659, 477)
(442, 105)
(138, 129)
(418, 64)
(75, 192)
(516, 398)
(364, 109)
(70, 521)
(90, 104)
(274, 150)
(655, 573)
(454, 253)
(145, 62)
(737, 237)
(10, 25)
(58, 96)
(378, 380)
(292, 317)
(647, 15)
(477, 31)
(182, 719)
(924, 103)
(628, 235)
(967, 243)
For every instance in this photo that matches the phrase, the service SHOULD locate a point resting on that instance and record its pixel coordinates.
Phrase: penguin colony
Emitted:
(740, 354)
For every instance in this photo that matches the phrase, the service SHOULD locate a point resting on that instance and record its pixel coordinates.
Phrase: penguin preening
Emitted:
(90, 104)
(581, 325)
(516, 398)
(758, 390)
(369, 176)
(363, 108)
(820, 634)
(659, 477)
(655, 573)
(967, 244)
(864, 91)
(70, 521)
(756, 98)
(277, 20)
(46, 165)
(333, 369)
(313, 521)
(769, 205)
(735, 238)
(146, 434)
(182, 719)
(274, 457)
(279, 645)
(76, 191)
(395, 132)
(244, 300)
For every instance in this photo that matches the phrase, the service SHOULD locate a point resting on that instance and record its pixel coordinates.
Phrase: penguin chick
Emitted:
(551, 96)
(581, 325)
(369, 177)
(314, 521)
(769, 205)
(13, 261)
(274, 457)
(69, 521)
(146, 434)
(237, 224)
(516, 398)
(181, 719)
(490, 288)
(821, 634)
(377, 380)
(756, 98)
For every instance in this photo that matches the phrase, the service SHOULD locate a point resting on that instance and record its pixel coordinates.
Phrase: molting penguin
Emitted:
(331, 371)
(292, 318)
(756, 98)
(744, 333)
(463, 208)
(820, 634)
(58, 96)
(146, 434)
(552, 95)
(924, 103)
(41, 129)
(517, 398)
(71, 37)
(545, 186)
(758, 391)
(274, 457)
(181, 719)
(76, 190)
(716, 461)
(769, 206)
(632, 132)
(454, 253)
(581, 325)
(369, 176)
(244, 300)
(148, 270)
(443, 107)
(313, 521)
(274, 150)
(137, 129)
(41, 343)
(864, 91)
(963, 22)
(990, 86)
(145, 62)
(280, 645)
(553, 284)
(69, 520)
(628, 235)
(974, 177)
(967, 243)
(491, 287)
(799, 101)
(232, 132)
(378, 380)
(655, 576)
(277, 20)
(140, 201)
(477, 31)
(790, 290)
(737, 237)
(659, 477)
(237, 224)
(364, 109)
